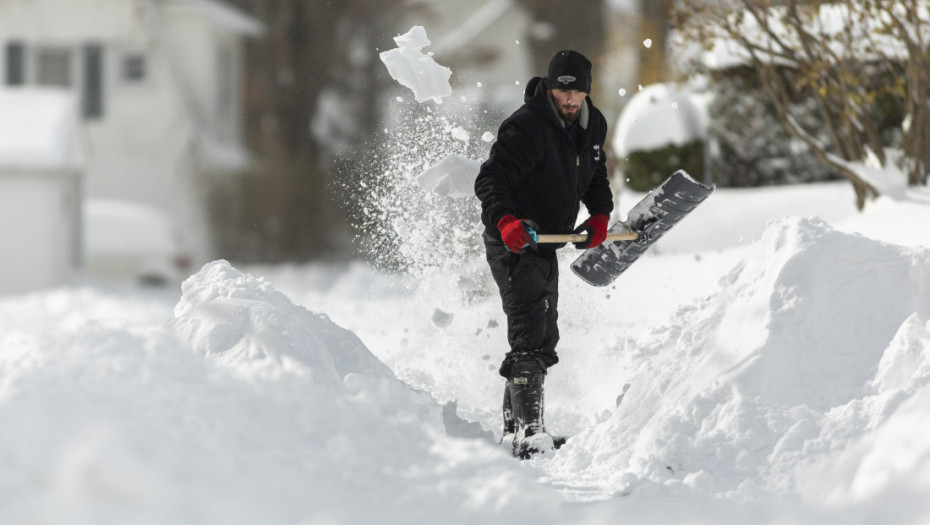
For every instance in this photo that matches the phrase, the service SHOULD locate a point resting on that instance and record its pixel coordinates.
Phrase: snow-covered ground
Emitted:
(767, 362)
(772, 353)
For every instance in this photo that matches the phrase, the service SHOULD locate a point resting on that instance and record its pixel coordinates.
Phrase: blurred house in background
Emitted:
(157, 84)
(40, 178)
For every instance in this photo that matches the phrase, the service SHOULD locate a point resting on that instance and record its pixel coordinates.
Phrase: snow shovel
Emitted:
(655, 214)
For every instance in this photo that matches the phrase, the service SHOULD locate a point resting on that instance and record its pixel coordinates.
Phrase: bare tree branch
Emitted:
(847, 58)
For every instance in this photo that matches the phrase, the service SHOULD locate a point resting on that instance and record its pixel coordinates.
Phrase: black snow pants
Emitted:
(529, 289)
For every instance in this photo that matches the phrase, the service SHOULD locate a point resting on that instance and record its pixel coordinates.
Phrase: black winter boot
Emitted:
(507, 412)
(527, 403)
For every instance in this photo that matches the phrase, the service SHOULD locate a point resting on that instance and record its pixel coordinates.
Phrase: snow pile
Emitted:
(890, 462)
(408, 65)
(244, 408)
(807, 372)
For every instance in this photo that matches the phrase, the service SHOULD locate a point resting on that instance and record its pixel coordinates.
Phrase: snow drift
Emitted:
(796, 392)
(244, 408)
(803, 375)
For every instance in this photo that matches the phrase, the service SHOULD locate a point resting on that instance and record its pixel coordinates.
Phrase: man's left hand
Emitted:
(596, 228)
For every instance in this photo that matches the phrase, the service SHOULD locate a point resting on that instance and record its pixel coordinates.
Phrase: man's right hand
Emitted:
(517, 234)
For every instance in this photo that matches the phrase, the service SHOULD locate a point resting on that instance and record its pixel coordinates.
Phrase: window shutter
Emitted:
(92, 94)
(15, 64)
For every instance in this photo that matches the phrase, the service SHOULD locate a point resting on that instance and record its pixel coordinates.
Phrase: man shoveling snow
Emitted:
(548, 158)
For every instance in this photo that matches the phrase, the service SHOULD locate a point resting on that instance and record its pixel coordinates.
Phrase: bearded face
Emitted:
(568, 103)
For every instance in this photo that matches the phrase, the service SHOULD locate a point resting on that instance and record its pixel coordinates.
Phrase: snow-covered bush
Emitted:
(752, 147)
(662, 129)
(646, 169)
(849, 58)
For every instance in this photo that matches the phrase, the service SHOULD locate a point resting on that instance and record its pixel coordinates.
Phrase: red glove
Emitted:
(515, 234)
(596, 228)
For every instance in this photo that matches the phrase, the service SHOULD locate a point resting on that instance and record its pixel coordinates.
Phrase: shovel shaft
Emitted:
(581, 237)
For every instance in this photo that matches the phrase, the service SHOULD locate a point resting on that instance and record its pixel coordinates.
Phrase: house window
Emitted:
(15, 64)
(53, 67)
(134, 68)
(80, 68)
(92, 93)
(225, 101)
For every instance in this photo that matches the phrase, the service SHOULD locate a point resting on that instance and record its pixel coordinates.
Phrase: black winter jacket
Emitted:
(535, 170)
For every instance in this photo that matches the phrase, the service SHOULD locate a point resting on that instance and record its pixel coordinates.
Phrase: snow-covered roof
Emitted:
(657, 116)
(38, 129)
(222, 15)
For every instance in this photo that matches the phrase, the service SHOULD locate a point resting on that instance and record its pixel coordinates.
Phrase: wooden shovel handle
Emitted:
(581, 237)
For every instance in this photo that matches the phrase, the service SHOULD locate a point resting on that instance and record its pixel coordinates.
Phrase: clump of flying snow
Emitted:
(453, 176)
(460, 133)
(414, 206)
(408, 65)
(416, 209)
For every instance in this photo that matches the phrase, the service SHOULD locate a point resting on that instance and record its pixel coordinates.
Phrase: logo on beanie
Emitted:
(566, 79)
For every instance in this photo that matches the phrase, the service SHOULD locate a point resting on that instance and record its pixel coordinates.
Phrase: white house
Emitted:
(40, 181)
(158, 87)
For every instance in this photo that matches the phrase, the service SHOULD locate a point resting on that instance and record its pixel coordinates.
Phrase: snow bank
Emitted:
(244, 408)
(806, 373)
(799, 388)
(892, 462)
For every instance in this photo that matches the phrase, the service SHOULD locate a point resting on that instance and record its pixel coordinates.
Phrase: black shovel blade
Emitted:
(659, 210)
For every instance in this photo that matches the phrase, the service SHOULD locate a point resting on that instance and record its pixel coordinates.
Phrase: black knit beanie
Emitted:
(569, 70)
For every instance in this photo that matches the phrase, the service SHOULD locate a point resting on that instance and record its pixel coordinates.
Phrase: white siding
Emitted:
(148, 144)
(39, 239)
